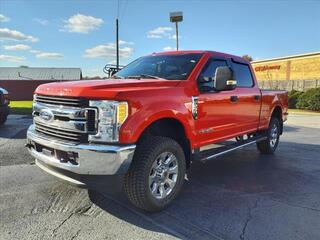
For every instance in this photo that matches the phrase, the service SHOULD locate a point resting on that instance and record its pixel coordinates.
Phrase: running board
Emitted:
(210, 154)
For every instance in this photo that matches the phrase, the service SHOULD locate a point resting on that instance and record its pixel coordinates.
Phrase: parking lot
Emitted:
(244, 195)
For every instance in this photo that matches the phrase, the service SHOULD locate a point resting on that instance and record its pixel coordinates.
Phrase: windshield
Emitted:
(171, 67)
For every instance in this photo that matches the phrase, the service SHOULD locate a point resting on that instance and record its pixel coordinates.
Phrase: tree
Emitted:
(247, 57)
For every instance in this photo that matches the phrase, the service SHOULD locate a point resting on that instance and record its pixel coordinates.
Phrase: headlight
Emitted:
(6, 99)
(5, 96)
(111, 115)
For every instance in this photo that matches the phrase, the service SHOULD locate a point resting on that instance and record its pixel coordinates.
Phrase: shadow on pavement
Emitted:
(15, 127)
(290, 129)
(216, 197)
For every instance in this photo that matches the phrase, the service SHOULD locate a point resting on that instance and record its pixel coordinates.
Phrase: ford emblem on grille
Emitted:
(46, 115)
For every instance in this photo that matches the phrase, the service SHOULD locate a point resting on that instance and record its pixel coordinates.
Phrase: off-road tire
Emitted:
(136, 184)
(265, 146)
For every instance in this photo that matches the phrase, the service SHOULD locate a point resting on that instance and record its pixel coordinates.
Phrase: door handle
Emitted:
(234, 98)
(256, 97)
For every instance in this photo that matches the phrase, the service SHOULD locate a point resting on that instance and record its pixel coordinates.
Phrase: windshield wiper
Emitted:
(144, 76)
(150, 76)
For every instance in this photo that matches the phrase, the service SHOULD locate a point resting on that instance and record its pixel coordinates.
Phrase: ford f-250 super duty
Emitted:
(152, 119)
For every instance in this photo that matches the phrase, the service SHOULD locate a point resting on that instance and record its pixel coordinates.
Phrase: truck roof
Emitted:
(201, 51)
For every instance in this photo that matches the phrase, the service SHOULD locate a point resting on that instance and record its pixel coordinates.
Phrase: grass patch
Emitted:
(21, 107)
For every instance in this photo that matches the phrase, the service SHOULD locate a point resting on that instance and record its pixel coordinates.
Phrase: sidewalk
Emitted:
(303, 112)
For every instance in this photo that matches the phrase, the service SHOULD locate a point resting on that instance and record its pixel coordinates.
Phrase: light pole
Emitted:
(117, 43)
(176, 17)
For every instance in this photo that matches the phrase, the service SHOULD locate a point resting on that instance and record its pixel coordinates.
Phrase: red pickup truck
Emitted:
(152, 119)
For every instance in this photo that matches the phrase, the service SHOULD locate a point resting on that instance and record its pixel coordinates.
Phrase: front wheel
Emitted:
(156, 174)
(269, 145)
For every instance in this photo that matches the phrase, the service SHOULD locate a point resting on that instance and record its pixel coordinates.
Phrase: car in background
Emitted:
(4, 106)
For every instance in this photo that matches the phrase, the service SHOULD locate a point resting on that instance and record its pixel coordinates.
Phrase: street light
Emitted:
(176, 17)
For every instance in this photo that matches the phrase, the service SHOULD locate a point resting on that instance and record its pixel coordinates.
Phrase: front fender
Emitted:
(138, 122)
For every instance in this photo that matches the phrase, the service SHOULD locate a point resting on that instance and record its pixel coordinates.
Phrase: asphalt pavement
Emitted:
(244, 195)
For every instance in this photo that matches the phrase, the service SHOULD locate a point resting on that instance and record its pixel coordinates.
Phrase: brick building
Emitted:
(297, 67)
(22, 81)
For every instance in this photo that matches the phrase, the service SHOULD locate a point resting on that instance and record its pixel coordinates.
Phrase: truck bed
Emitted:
(269, 98)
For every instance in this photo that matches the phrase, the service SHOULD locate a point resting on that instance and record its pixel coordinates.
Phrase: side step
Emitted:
(210, 154)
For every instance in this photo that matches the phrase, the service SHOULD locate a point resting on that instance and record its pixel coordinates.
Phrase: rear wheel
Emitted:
(269, 145)
(156, 175)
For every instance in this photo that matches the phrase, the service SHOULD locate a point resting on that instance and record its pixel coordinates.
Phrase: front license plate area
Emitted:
(48, 152)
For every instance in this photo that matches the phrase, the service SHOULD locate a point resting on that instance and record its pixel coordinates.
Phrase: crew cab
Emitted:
(4, 105)
(152, 119)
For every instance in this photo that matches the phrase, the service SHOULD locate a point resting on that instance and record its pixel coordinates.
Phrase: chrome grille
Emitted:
(72, 102)
(69, 118)
(62, 134)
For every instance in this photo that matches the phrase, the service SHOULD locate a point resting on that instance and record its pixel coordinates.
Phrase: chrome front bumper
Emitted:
(85, 159)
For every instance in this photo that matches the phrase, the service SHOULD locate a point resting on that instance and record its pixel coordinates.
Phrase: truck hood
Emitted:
(101, 89)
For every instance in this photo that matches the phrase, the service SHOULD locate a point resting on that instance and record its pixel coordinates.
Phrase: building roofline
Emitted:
(286, 57)
(42, 67)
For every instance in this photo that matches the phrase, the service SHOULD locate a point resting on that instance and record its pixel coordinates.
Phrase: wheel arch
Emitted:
(277, 113)
(169, 127)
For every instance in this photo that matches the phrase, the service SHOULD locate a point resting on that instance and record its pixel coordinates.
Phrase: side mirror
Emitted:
(224, 79)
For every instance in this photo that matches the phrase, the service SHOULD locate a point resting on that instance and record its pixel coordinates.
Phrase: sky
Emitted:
(79, 33)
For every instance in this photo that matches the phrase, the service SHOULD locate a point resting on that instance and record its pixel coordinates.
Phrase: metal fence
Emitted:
(299, 85)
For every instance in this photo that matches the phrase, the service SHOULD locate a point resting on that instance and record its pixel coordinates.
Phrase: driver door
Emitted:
(217, 112)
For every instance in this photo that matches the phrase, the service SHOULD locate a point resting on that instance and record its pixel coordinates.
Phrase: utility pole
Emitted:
(117, 42)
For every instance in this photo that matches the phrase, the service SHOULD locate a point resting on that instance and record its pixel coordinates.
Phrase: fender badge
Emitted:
(194, 107)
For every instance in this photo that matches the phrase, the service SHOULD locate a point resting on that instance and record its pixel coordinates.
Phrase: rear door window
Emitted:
(242, 74)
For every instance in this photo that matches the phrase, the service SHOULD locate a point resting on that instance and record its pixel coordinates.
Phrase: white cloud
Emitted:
(41, 21)
(174, 36)
(8, 34)
(93, 72)
(160, 32)
(112, 62)
(3, 18)
(49, 55)
(10, 58)
(81, 24)
(108, 50)
(121, 42)
(46, 55)
(168, 48)
(35, 51)
(18, 47)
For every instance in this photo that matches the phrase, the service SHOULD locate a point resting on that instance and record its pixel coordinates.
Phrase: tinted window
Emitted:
(242, 75)
(173, 66)
(206, 78)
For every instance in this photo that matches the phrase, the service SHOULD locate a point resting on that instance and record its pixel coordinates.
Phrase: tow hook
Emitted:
(28, 145)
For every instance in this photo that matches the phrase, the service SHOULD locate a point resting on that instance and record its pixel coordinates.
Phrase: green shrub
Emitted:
(310, 100)
(293, 98)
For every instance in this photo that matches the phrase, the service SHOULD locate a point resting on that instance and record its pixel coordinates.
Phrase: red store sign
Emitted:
(266, 67)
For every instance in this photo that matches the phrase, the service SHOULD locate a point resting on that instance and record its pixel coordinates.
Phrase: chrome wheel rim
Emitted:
(163, 175)
(273, 135)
